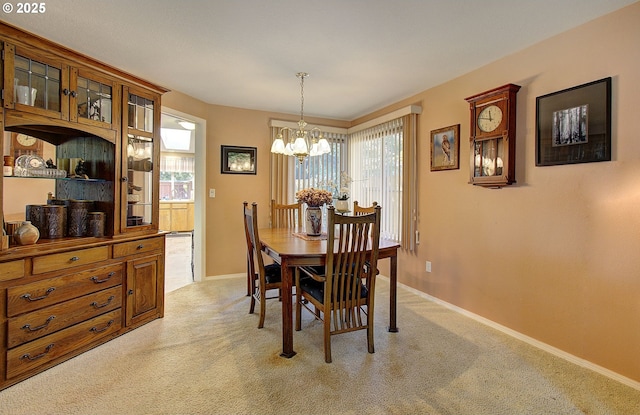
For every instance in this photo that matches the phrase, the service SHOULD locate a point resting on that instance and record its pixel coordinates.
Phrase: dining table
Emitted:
(290, 247)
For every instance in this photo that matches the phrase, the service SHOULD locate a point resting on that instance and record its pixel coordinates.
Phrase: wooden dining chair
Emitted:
(363, 210)
(343, 295)
(262, 278)
(286, 215)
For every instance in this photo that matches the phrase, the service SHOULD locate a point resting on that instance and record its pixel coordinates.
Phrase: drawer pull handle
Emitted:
(140, 246)
(96, 305)
(97, 330)
(74, 259)
(27, 327)
(38, 356)
(27, 296)
(97, 280)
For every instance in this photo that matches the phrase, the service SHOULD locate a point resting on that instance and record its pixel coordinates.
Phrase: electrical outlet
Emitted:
(428, 266)
(212, 192)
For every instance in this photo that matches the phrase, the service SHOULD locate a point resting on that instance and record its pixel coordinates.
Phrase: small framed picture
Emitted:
(238, 160)
(445, 148)
(574, 125)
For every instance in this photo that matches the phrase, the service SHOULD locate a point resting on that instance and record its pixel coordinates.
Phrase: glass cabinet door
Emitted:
(39, 85)
(141, 154)
(93, 99)
(139, 180)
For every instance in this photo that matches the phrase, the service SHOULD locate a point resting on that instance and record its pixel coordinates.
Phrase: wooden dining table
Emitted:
(291, 251)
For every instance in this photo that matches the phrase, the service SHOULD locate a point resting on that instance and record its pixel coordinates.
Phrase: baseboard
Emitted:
(529, 340)
(224, 276)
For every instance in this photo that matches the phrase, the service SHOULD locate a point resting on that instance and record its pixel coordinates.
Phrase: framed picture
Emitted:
(574, 125)
(445, 148)
(238, 160)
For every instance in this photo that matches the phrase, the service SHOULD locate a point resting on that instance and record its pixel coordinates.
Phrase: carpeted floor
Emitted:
(207, 357)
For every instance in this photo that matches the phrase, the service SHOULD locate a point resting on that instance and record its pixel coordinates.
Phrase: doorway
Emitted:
(182, 183)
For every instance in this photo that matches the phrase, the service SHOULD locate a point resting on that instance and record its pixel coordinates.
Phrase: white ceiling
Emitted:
(361, 55)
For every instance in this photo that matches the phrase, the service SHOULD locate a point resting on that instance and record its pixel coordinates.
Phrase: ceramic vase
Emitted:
(313, 222)
(26, 234)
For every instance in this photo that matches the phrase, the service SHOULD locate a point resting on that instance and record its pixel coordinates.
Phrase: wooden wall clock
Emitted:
(25, 144)
(493, 136)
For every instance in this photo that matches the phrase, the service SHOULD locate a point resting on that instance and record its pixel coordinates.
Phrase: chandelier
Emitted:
(302, 143)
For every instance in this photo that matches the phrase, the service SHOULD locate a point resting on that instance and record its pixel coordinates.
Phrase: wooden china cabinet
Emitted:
(67, 294)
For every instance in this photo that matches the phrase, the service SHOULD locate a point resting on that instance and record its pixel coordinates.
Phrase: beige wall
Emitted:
(555, 256)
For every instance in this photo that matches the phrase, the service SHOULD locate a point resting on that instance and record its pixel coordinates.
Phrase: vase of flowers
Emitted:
(315, 199)
(341, 192)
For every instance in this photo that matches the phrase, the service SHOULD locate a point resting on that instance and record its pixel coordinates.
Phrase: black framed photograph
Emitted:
(574, 125)
(445, 148)
(238, 160)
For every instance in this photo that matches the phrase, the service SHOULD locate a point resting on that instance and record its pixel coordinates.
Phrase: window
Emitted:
(319, 171)
(177, 177)
(376, 167)
(177, 164)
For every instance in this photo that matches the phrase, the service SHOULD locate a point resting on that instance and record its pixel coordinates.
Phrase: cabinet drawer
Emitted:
(41, 351)
(69, 259)
(39, 294)
(48, 320)
(138, 247)
(11, 270)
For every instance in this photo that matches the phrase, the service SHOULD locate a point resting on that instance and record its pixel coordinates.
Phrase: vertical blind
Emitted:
(376, 167)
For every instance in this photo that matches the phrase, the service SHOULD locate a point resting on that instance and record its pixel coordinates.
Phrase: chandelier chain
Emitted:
(302, 75)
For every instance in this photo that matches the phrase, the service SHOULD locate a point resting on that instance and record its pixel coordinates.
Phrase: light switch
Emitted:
(212, 192)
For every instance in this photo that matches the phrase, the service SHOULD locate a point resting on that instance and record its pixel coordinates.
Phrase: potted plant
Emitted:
(342, 192)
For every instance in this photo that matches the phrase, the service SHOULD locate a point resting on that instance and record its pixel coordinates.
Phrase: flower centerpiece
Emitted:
(314, 198)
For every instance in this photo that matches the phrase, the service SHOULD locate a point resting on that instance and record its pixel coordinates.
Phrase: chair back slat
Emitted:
(286, 215)
(254, 249)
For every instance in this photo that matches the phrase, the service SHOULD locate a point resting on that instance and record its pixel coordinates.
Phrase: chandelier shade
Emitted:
(301, 143)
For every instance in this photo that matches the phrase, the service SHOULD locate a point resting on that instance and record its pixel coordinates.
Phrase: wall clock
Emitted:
(493, 136)
(24, 144)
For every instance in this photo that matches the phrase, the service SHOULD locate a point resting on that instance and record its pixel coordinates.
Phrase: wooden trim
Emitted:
(24, 38)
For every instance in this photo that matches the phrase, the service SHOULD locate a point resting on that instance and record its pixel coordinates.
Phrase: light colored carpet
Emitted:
(207, 357)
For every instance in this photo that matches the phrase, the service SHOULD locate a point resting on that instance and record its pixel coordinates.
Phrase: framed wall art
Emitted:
(574, 125)
(445, 148)
(238, 160)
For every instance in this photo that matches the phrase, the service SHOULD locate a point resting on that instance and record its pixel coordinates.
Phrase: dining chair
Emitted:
(343, 295)
(363, 210)
(262, 278)
(286, 215)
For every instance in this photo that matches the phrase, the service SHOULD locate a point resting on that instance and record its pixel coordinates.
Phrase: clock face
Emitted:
(489, 118)
(25, 140)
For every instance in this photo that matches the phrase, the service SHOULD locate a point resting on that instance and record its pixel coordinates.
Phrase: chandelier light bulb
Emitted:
(300, 146)
(278, 146)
